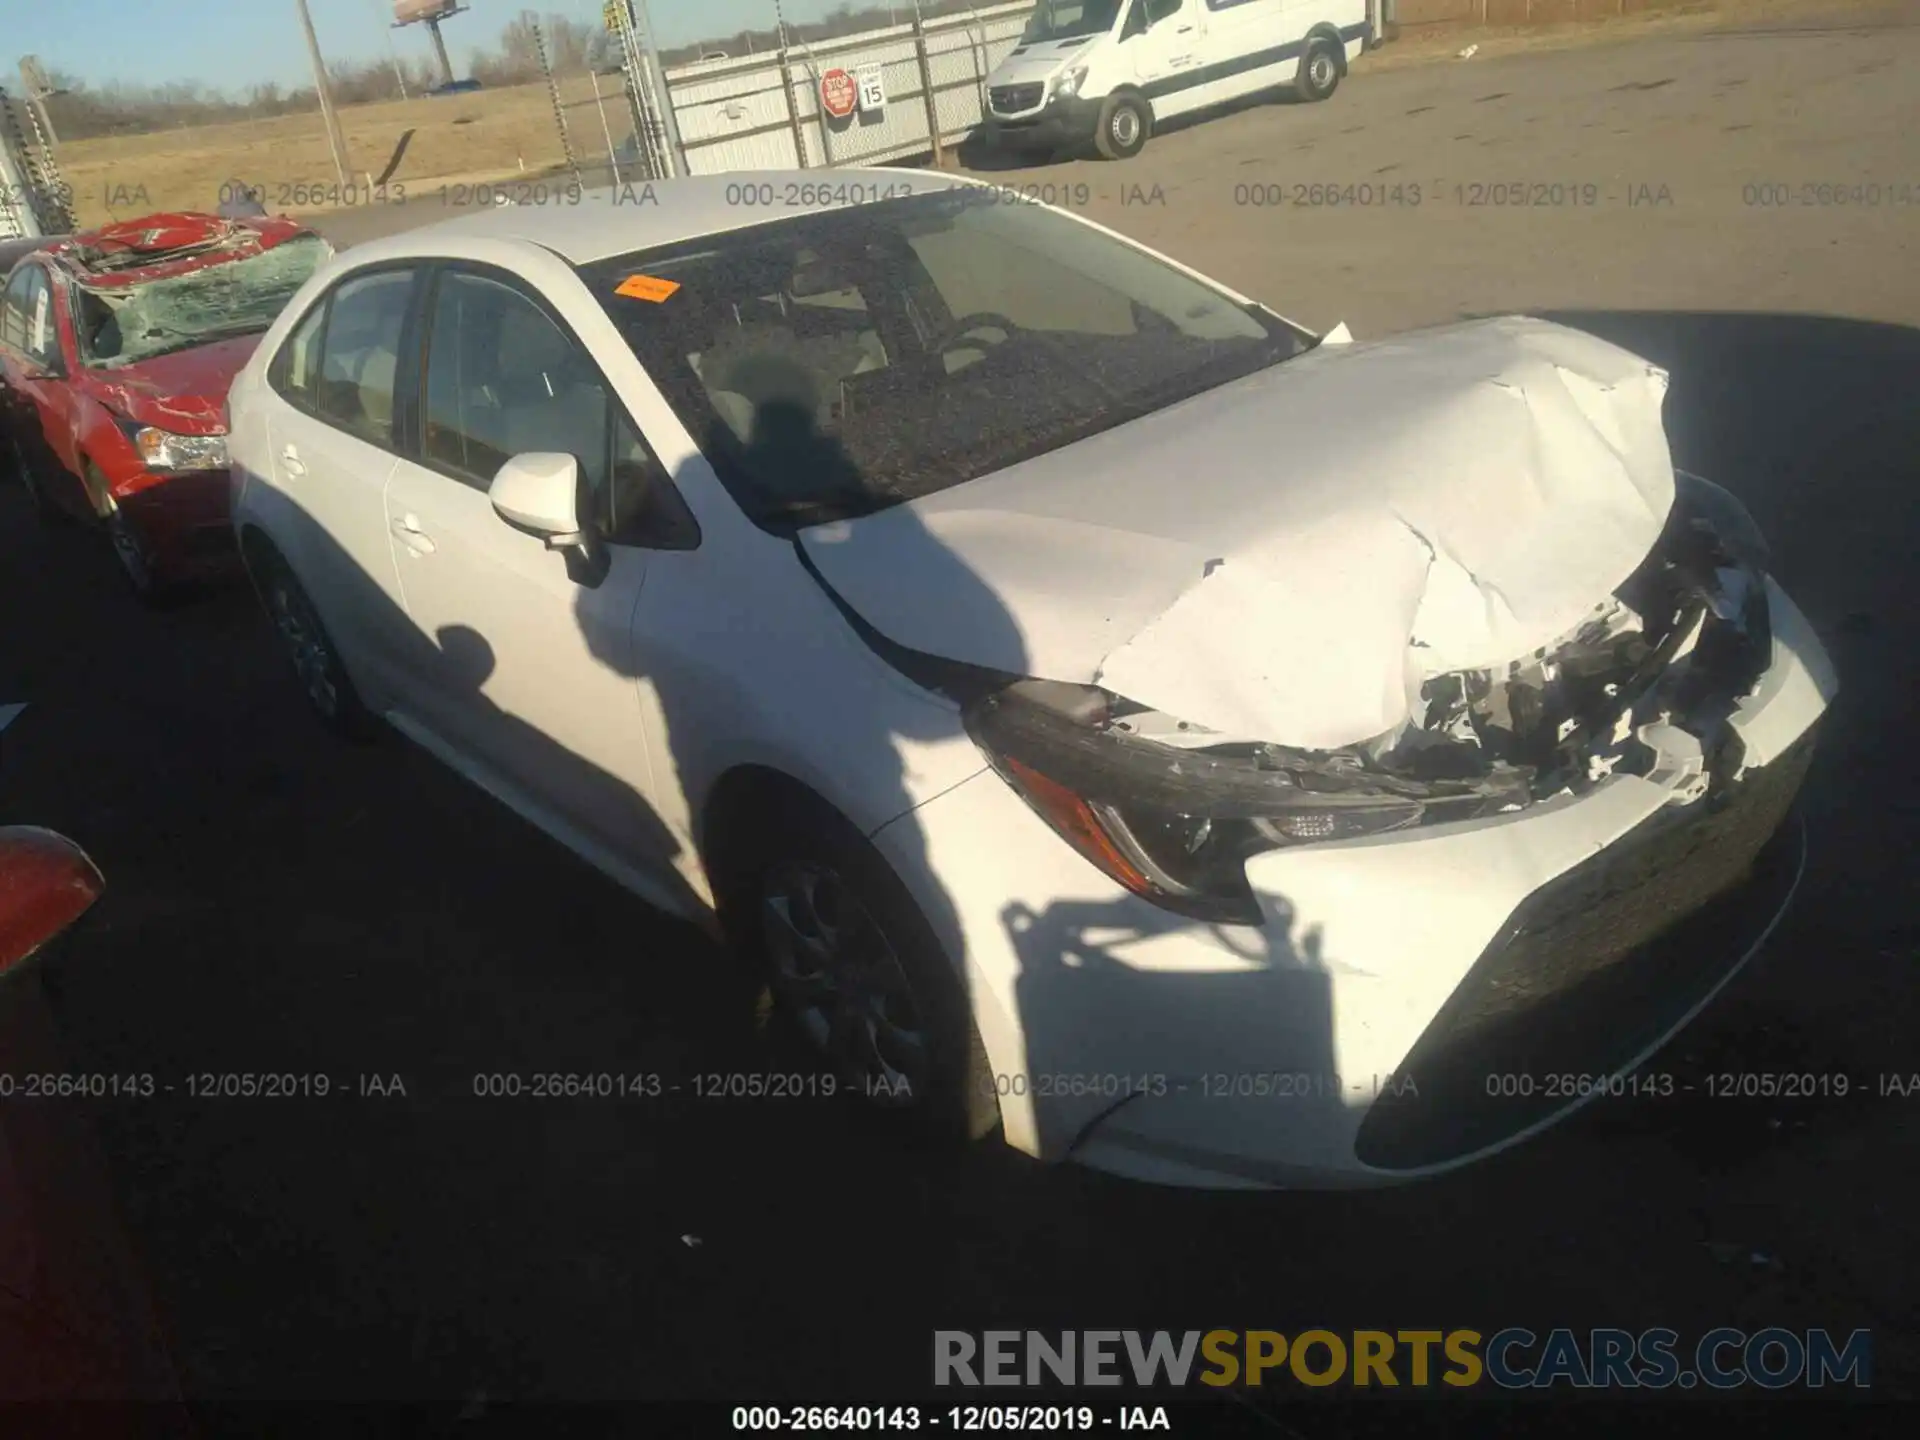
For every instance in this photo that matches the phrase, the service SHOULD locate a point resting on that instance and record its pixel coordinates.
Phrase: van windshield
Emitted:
(832, 365)
(1070, 20)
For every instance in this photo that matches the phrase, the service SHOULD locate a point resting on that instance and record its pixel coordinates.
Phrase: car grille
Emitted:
(1013, 99)
(1594, 968)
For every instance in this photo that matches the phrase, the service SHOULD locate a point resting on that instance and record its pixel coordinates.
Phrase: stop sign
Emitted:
(838, 94)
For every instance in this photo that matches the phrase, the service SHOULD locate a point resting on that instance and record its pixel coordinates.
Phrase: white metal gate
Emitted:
(763, 112)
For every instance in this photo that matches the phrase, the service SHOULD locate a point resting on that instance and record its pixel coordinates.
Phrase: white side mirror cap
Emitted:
(1338, 335)
(540, 491)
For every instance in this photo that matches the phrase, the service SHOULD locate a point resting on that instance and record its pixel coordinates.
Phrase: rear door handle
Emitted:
(291, 462)
(407, 529)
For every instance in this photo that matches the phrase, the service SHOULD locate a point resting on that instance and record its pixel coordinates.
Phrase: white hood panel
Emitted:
(1289, 556)
(1040, 62)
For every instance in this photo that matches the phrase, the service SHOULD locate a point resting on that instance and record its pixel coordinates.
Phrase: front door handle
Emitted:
(407, 529)
(1184, 30)
(291, 462)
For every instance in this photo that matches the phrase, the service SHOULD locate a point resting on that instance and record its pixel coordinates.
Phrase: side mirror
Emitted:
(540, 492)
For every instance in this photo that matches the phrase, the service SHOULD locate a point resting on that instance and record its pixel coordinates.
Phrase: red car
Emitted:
(77, 1319)
(117, 347)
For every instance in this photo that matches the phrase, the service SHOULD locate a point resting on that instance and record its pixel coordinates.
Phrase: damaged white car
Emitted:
(1208, 751)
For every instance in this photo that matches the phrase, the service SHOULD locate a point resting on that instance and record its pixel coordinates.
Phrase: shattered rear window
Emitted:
(124, 325)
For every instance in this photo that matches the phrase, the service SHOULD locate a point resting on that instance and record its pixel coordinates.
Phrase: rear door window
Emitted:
(360, 352)
(296, 371)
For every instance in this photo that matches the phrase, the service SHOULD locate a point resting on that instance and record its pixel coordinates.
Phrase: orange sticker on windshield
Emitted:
(646, 287)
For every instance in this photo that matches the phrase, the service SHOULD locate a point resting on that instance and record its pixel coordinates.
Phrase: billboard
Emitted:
(411, 12)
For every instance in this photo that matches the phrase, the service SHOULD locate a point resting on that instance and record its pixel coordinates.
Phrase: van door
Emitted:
(1252, 44)
(1162, 39)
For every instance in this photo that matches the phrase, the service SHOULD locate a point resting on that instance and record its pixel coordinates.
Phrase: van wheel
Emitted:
(1125, 123)
(1319, 73)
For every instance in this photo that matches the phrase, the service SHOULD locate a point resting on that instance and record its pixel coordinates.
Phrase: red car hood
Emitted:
(185, 391)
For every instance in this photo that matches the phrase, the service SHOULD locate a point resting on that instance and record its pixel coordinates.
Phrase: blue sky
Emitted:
(231, 44)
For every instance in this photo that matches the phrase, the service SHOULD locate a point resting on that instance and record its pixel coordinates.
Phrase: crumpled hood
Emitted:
(185, 391)
(1289, 556)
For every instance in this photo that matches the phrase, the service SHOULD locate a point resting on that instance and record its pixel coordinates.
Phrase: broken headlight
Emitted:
(1177, 826)
(1725, 516)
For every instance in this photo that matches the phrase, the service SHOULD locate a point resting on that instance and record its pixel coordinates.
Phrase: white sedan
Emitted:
(1210, 751)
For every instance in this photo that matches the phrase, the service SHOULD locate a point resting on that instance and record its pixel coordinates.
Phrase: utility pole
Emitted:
(336, 142)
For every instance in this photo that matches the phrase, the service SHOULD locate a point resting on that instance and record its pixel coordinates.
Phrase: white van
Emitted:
(1109, 70)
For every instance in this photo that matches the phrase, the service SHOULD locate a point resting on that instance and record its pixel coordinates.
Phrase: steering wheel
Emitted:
(967, 324)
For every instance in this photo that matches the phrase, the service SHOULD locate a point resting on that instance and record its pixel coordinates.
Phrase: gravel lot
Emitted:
(278, 903)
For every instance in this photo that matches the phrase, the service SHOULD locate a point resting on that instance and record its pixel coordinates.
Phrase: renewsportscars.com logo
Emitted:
(1515, 1359)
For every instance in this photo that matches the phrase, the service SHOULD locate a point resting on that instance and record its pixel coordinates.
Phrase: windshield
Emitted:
(835, 365)
(1070, 20)
(124, 325)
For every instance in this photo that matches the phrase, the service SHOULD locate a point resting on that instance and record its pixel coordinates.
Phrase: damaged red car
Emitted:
(117, 346)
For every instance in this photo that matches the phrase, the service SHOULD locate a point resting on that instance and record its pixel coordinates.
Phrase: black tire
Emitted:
(130, 545)
(952, 1099)
(1320, 66)
(44, 510)
(303, 636)
(1124, 127)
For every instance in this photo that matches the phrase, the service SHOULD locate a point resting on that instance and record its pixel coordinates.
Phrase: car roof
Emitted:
(154, 247)
(645, 215)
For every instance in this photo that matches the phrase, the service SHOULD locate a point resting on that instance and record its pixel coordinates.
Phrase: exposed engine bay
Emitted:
(1681, 641)
(1174, 810)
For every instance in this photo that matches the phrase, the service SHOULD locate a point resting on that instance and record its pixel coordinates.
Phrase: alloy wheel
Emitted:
(306, 646)
(840, 976)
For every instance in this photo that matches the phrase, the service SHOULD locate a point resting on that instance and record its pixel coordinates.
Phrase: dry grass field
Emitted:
(486, 135)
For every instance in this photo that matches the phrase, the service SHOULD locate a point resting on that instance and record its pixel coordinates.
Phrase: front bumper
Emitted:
(1366, 1032)
(1056, 124)
(186, 522)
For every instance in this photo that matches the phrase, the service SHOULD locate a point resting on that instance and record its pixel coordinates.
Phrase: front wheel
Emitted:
(1125, 123)
(135, 555)
(44, 510)
(854, 967)
(1319, 74)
